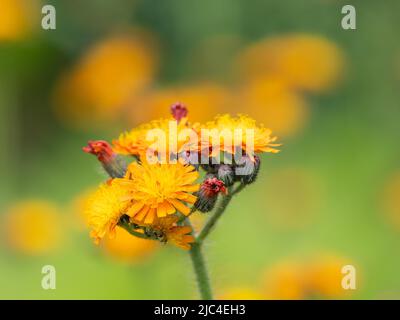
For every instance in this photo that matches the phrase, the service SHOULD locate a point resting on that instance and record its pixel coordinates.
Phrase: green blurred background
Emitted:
(331, 197)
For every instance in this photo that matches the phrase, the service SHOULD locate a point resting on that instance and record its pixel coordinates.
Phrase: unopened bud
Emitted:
(226, 174)
(210, 166)
(179, 111)
(248, 171)
(208, 193)
(112, 163)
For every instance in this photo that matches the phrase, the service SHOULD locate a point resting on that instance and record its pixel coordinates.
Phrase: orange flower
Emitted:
(306, 61)
(137, 141)
(33, 227)
(271, 100)
(235, 133)
(104, 79)
(17, 18)
(158, 190)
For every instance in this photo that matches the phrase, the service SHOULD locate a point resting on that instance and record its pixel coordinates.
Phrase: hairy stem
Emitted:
(199, 267)
(200, 270)
(196, 254)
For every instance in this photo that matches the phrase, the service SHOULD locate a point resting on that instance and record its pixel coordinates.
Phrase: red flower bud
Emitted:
(212, 186)
(101, 149)
(179, 111)
(112, 163)
(208, 193)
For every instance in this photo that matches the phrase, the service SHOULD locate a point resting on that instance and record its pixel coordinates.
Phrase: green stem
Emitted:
(196, 254)
(200, 270)
(128, 228)
(218, 213)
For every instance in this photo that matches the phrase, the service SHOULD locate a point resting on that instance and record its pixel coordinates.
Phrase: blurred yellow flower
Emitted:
(127, 248)
(305, 61)
(204, 101)
(391, 199)
(241, 294)
(158, 190)
(104, 79)
(324, 277)
(104, 209)
(318, 278)
(285, 281)
(262, 139)
(33, 227)
(273, 102)
(17, 18)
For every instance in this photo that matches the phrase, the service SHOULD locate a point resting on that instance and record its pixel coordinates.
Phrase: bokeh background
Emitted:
(330, 198)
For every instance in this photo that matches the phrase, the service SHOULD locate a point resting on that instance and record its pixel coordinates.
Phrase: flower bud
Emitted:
(208, 193)
(114, 165)
(247, 172)
(211, 165)
(226, 174)
(179, 111)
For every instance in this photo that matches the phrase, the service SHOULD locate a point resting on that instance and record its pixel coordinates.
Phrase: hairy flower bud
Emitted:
(210, 166)
(179, 111)
(208, 193)
(226, 174)
(247, 172)
(114, 165)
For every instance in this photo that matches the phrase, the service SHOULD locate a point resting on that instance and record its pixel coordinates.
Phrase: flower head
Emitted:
(158, 190)
(240, 132)
(104, 210)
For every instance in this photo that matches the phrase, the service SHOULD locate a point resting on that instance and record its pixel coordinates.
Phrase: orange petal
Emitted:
(161, 210)
(191, 188)
(180, 206)
(150, 216)
(184, 230)
(189, 198)
(188, 239)
(135, 208)
(170, 208)
(142, 213)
